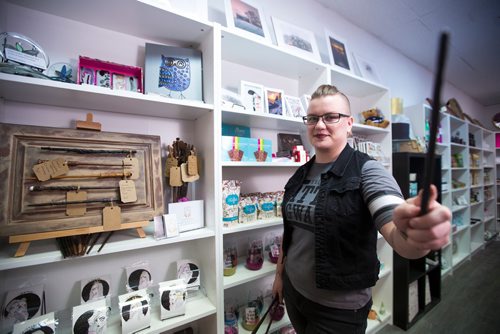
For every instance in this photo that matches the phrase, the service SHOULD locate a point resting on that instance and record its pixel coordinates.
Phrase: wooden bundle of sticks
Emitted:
(79, 245)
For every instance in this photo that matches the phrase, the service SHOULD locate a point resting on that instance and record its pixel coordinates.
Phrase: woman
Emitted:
(332, 209)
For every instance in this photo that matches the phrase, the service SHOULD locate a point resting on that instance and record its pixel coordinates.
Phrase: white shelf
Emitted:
(137, 18)
(459, 258)
(244, 275)
(445, 272)
(46, 251)
(263, 223)
(262, 120)
(196, 308)
(474, 246)
(456, 208)
(271, 58)
(461, 229)
(87, 97)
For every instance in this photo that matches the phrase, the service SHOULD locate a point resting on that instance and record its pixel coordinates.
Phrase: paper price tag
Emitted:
(46, 170)
(185, 174)
(76, 209)
(171, 162)
(192, 168)
(111, 218)
(41, 172)
(127, 191)
(175, 177)
(131, 166)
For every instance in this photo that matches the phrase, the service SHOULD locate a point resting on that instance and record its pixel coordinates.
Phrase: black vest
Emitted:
(344, 232)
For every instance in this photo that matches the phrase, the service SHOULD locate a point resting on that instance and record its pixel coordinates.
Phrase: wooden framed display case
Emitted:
(61, 179)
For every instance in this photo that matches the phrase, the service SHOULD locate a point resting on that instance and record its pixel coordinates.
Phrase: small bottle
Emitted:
(427, 131)
(413, 185)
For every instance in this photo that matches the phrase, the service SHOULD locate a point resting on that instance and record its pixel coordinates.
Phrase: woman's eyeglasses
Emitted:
(329, 118)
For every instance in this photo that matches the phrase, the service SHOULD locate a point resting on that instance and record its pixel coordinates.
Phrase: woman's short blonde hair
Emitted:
(326, 90)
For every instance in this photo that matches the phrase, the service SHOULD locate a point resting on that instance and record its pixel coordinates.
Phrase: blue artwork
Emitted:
(175, 74)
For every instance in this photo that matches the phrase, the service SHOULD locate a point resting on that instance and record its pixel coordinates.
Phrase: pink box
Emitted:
(497, 140)
(111, 75)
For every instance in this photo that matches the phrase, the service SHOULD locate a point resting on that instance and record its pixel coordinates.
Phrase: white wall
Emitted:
(402, 76)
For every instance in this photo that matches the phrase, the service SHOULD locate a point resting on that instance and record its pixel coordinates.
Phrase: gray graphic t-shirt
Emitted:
(299, 211)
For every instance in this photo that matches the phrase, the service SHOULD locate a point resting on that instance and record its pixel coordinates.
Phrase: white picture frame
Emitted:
(252, 96)
(338, 52)
(293, 106)
(367, 69)
(305, 99)
(237, 17)
(274, 101)
(295, 39)
(189, 214)
(231, 100)
(171, 225)
(159, 227)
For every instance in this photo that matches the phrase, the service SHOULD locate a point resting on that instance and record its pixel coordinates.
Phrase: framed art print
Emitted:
(252, 95)
(171, 225)
(247, 16)
(173, 72)
(293, 106)
(305, 99)
(367, 69)
(295, 39)
(337, 51)
(231, 100)
(274, 98)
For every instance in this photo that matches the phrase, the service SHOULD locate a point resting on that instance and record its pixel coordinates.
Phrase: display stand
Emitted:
(26, 239)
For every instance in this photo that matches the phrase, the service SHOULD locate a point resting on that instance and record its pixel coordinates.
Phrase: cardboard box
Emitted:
(235, 148)
(246, 149)
(407, 146)
(235, 130)
(260, 150)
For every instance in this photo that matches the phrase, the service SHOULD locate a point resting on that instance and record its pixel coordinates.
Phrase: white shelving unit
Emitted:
(72, 28)
(468, 174)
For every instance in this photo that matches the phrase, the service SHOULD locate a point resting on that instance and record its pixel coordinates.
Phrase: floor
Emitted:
(470, 299)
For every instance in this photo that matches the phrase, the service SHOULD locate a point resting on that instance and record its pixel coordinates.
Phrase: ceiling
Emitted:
(413, 26)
